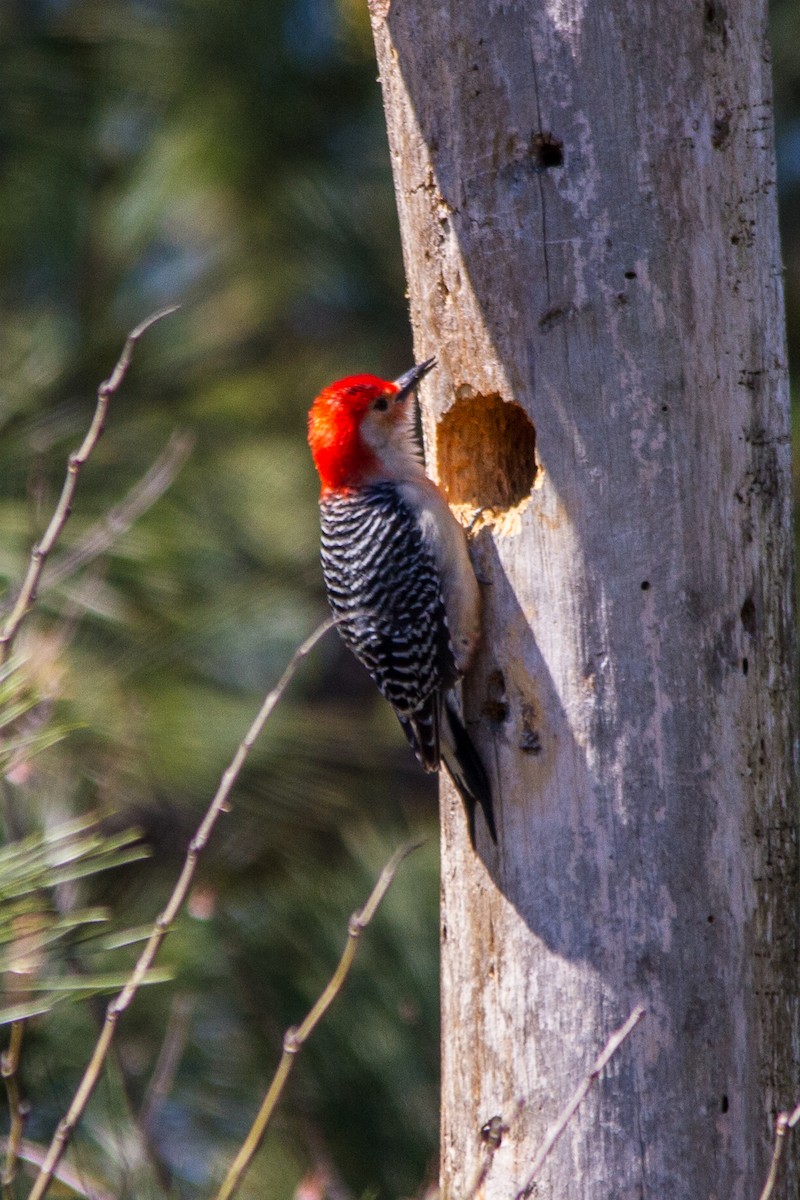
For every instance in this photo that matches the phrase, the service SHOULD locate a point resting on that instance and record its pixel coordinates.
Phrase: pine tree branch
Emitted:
(164, 922)
(40, 552)
(295, 1037)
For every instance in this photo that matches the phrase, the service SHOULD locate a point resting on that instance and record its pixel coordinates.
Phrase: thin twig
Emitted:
(168, 1060)
(218, 805)
(79, 1183)
(294, 1038)
(781, 1123)
(119, 519)
(9, 1068)
(573, 1104)
(39, 554)
(784, 1123)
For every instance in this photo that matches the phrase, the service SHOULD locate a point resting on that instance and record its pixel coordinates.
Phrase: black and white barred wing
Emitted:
(384, 588)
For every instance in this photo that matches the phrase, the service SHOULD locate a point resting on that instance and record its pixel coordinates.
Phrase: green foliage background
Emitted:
(229, 155)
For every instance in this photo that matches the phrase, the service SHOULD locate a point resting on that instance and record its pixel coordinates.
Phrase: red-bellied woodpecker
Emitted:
(396, 569)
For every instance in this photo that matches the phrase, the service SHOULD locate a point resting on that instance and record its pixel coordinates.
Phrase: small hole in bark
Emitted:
(495, 705)
(723, 1105)
(748, 616)
(547, 150)
(554, 316)
(711, 919)
(721, 129)
(645, 585)
(716, 19)
(486, 453)
(630, 274)
(529, 741)
(745, 666)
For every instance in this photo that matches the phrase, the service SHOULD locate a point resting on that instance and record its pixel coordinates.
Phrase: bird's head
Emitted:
(360, 430)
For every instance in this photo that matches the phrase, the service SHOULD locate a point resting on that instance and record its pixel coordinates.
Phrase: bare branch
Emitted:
(781, 1124)
(39, 554)
(163, 923)
(80, 1184)
(576, 1099)
(142, 496)
(168, 1060)
(784, 1123)
(9, 1068)
(295, 1037)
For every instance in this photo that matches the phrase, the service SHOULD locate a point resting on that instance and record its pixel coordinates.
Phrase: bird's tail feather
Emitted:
(422, 730)
(465, 768)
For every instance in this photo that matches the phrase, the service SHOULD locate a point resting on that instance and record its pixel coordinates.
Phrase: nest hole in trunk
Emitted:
(486, 454)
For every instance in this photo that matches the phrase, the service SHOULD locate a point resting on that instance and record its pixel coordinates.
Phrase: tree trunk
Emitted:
(587, 207)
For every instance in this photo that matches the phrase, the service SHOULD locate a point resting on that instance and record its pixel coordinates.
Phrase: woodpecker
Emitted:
(396, 568)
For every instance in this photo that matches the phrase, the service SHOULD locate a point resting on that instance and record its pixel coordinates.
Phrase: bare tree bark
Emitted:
(587, 206)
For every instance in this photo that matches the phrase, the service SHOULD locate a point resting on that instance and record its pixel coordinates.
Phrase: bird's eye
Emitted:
(381, 404)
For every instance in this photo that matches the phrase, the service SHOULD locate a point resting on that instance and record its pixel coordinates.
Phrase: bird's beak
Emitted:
(406, 383)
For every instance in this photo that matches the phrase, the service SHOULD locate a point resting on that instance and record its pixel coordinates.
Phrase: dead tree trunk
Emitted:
(587, 205)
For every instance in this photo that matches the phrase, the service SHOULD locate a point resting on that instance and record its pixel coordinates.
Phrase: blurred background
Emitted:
(229, 155)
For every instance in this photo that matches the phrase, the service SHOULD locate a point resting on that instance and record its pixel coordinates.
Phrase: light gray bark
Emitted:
(634, 696)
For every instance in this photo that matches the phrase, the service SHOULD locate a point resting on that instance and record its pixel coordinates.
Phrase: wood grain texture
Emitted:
(634, 698)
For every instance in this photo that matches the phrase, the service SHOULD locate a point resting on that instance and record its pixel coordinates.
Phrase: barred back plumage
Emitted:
(384, 588)
(397, 569)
